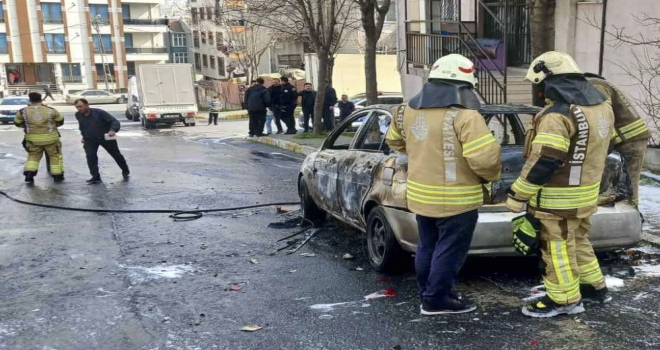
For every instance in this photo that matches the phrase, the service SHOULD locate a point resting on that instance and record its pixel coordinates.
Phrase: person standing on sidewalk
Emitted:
(214, 110)
(329, 107)
(307, 100)
(98, 128)
(451, 154)
(275, 92)
(289, 100)
(48, 93)
(346, 107)
(258, 101)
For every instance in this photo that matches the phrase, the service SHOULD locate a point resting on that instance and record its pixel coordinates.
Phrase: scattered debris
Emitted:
(326, 317)
(251, 328)
(475, 319)
(614, 283)
(293, 271)
(385, 293)
(254, 261)
(196, 322)
(348, 256)
(330, 307)
(307, 239)
(308, 255)
(289, 223)
(287, 209)
(402, 303)
(359, 269)
(234, 288)
(534, 343)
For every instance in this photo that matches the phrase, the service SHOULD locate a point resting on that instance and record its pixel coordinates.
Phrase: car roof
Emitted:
(508, 108)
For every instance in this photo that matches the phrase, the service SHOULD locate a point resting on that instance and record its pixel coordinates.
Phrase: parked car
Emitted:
(357, 179)
(96, 97)
(9, 106)
(384, 98)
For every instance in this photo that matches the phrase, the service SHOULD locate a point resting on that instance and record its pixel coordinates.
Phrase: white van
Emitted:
(132, 100)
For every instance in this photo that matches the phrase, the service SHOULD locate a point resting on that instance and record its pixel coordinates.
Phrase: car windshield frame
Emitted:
(24, 102)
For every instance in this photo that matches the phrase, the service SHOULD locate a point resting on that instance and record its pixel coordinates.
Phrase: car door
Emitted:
(509, 132)
(104, 97)
(326, 165)
(357, 166)
(90, 96)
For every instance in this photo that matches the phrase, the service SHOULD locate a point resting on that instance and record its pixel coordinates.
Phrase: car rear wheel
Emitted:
(312, 214)
(129, 116)
(120, 100)
(382, 247)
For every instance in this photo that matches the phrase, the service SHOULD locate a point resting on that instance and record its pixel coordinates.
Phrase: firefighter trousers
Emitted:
(54, 158)
(634, 152)
(568, 258)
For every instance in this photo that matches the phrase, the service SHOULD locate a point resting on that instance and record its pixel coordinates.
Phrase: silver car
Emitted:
(355, 178)
(96, 97)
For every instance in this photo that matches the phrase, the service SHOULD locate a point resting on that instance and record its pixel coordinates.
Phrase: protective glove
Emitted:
(514, 205)
(526, 230)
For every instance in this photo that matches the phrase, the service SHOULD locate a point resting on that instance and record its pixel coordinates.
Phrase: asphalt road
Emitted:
(72, 280)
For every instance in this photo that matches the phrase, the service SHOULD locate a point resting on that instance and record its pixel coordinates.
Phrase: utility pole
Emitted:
(96, 22)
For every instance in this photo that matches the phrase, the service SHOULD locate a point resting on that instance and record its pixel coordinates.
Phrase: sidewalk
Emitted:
(303, 146)
(225, 115)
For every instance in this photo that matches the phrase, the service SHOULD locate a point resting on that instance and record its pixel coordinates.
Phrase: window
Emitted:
(52, 12)
(193, 14)
(219, 40)
(179, 40)
(221, 66)
(125, 11)
(3, 43)
(202, 13)
(209, 13)
(100, 11)
(444, 10)
(130, 68)
(55, 43)
(292, 61)
(105, 40)
(128, 39)
(212, 61)
(343, 136)
(205, 61)
(180, 57)
(391, 100)
(71, 73)
(196, 39)
(203, 37)
(100, 76)
(371, 136)
(391, 14)
(198, 64)
(506, 128)
(210, 34)
(2, 14)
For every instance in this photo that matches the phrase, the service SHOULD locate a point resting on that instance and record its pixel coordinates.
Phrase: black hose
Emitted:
(177, 215)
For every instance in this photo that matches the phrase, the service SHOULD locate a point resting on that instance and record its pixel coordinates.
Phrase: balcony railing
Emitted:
(146, 22)
(72, 79)
(146, 50)
(100, 78)
(59, 51)
(106, 50)
(53, 20)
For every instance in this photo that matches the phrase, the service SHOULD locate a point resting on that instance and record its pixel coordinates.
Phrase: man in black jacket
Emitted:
(289, 100)
(275, 91)
(308, 98)
(329, 107)
(257, 99)
(98, 128)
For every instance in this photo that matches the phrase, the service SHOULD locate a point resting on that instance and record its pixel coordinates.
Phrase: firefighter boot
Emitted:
(545, 307)
(29, 177)
(58, 178)
(593, 295)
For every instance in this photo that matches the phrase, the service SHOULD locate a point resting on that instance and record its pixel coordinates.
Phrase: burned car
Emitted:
(357, 179)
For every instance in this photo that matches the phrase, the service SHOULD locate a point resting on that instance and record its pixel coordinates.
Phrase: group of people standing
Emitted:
(279, 102)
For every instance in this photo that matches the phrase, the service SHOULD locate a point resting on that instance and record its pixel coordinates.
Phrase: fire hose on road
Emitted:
(177, 215)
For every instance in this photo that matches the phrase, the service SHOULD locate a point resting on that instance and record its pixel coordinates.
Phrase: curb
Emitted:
(655, 240)
(283, 144)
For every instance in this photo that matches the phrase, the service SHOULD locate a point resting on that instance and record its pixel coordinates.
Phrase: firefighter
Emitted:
(565, 151)
(41, 136)
(451, 153)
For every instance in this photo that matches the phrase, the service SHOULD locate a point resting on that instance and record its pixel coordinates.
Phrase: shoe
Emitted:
(94, 180)
(261, 135)
(291, 132)
(250, 135)
(29, 179)
(279, 132)
(126, 175)
(58, 178)
(545, 307)
(447, 305)
(593, 295)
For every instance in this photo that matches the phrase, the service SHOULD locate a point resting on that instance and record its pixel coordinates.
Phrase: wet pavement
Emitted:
(71, 280)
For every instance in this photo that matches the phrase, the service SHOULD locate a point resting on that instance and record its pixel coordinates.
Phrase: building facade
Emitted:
(178, 41)
(73, 45)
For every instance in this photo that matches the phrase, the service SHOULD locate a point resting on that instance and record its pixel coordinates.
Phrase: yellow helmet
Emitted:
(551, 63)
(454, 67)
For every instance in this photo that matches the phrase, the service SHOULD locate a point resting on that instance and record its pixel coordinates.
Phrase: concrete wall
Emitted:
(348, 77)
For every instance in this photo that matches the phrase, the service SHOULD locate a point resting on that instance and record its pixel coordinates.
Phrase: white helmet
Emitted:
(551, 63)
(454, 67)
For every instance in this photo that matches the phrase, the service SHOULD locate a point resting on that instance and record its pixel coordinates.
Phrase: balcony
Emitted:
(59, 50)
(53, 20)
(146, 22)
(72, 79)
(106, 50)
(156, 50)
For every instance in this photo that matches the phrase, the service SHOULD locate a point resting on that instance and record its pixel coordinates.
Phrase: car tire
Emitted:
(129, 116)
(120, 100)
(312, 214)
(383, 250)
(192, 124)
(145, 124)
(5, 123)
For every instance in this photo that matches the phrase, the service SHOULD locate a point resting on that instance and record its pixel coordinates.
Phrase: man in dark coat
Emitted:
(308, 98)
(275, 91)
(257, 101)
(329, 107)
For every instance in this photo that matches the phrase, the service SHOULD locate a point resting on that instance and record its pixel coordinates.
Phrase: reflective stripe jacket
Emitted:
(40, 123)
(629, 126)
(565, 151)
(451, 152)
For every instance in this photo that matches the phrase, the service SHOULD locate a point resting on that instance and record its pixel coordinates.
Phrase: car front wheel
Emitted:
(312, 214)
(382, 247)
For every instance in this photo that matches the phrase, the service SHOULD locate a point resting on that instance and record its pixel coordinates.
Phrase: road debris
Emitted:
(305, 241)
(359, 269)
(289, 223)
(385, 293)
(254, 261)
(251, 328)
(326, 317)
(308, 255)
(348, 256)
(293, 271)
(234, 288)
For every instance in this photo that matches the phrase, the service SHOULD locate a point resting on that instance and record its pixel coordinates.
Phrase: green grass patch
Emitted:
(310, 135)
(348, 134)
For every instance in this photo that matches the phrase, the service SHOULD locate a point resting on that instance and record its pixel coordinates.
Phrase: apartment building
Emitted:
(73, 45)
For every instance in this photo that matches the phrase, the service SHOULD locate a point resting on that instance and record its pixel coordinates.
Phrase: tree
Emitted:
(543, 26)
(373, 13)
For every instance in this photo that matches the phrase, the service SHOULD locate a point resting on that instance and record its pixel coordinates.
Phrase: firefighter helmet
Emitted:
(454, 67)
(551, 63)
